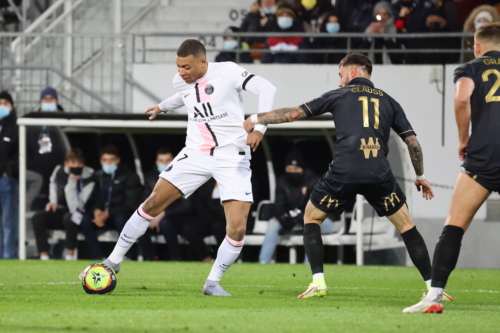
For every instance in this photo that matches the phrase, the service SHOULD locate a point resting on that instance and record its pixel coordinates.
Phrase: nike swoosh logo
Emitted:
(187, 95)
(127, 236)
(182, 158)
(248, 193)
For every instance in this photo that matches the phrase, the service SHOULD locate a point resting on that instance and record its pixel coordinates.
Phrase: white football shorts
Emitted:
(190, 169)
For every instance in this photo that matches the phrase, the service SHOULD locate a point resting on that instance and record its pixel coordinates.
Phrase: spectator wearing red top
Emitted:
(286, 22)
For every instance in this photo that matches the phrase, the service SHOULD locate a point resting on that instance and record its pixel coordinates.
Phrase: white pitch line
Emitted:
(249, 286)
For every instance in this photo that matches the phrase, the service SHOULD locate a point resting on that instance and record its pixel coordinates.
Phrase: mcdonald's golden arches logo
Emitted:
(391, 200)
(329, 202)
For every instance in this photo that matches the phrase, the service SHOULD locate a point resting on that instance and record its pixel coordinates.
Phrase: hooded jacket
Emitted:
(9, 146)
(469, 23)
(70, 194)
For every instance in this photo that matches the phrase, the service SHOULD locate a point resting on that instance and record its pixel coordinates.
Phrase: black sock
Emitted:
(314, 247)
(417, 250)
(446, 255)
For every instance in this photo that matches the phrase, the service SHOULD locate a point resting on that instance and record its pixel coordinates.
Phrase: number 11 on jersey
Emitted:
(376, 104)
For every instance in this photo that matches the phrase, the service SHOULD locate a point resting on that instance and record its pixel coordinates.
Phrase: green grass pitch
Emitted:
(40, 296)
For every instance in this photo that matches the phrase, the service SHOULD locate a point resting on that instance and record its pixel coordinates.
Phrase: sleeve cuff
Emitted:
(307, 110)
(406, 134)
(261, 128)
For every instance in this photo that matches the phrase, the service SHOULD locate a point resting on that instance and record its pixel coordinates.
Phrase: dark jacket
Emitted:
(126, 190)
(181, 206)
(251, 23)
(70, 194)
(285, 57)
(290, 197)
(208, 207)
(9, 145)
(245, 58)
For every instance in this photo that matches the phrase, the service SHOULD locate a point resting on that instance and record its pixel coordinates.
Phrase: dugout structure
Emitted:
(129, 124)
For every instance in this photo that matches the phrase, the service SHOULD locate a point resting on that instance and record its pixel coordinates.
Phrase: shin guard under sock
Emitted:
(446, 255)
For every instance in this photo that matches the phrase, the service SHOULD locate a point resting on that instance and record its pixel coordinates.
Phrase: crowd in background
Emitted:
(358, 16)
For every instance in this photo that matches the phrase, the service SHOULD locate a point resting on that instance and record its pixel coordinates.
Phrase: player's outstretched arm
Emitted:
(171, 103)
(464, 88)
(285, 115)
(417, 159)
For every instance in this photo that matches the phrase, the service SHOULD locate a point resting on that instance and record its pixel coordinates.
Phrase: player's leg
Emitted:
(313, 245)
(468, 196)
(235, 186)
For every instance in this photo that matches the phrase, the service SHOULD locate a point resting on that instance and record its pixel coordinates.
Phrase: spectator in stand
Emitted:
(383, 23)
(70, 197)
(331, 26)
(118, 190)
(210, 221)
(230, 45)
(436, 22)
(286, 22)
(465, 8)
(45, 147)
(9, 186)
(261, 13)
(181, 212)
(360, 16)
(478, 17)
(292, 194)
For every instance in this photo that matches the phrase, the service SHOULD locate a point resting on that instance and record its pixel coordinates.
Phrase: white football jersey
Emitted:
(215, 111)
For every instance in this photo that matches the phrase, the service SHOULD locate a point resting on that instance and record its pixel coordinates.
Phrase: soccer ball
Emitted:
(99, 278)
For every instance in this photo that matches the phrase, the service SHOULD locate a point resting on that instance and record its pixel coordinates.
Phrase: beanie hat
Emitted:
(48, 91)
(295, 158)
(286, 8)
(5, 95)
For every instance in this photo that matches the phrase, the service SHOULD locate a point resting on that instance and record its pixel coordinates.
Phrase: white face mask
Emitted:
(285, 22)
(229, 45)
(478, 25)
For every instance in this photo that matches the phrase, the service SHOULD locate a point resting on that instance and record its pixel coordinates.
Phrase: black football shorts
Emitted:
(489, 179)
(332, 197)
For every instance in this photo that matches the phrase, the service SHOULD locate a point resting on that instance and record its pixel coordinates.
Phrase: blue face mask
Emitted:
(332, 28)
(162, 167)
(229, 45)
(285, 22)
(48, 107)
(109, 168)
(478, 25)
(4, 111)
(269, 11)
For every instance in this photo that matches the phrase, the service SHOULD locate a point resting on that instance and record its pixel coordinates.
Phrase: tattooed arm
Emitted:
(417, 158)
(285, 115)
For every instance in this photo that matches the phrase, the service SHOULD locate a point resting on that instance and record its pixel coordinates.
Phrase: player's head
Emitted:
(163, 158)
(487, 38)
(352, 66)
(191, 60)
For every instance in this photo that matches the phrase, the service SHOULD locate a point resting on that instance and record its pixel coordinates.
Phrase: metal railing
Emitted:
(102, 64)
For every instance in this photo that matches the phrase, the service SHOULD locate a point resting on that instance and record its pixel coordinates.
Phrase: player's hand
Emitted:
(50, 207)
(462, 151)
(425, 187)
(253, 139)
(156, 111)
(248, 125)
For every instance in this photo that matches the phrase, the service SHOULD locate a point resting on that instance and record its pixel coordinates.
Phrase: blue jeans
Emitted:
(272, 235)
(9, 217)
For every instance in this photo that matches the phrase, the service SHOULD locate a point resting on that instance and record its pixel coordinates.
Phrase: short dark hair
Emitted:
(489, 32)
(357, 59)
(109, 149)
(191, 47)
(163, 151)
(75, 155)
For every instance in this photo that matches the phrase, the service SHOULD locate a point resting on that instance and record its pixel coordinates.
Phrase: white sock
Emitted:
(428, 283)
(435, 295)
(227, 254)
(135, 227)
(318, 275)
(69, 257)
(44, 257)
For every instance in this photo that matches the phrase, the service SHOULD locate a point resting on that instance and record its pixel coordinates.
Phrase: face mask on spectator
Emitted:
(332, 28)
(229, 45)
(308, 4)
(76, 171)
(478, 25)
(293, 178)
(269, 11)
(109, 168)
(48, 107)
(434, 26)
(285, 22)
(4, 111)
(162, 167)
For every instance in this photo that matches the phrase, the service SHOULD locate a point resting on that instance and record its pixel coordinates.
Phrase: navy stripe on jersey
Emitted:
(214, 137)
(197, 93)
(246, 81)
